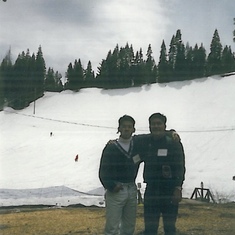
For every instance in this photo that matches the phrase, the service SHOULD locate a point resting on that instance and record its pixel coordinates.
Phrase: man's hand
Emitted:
(117, 188)
(175, 136)
(177, 196)
(110, 142)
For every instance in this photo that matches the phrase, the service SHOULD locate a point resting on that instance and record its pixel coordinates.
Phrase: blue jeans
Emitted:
(121, 211)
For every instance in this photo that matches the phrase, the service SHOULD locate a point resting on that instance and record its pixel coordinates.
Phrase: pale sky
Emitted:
(88, 29)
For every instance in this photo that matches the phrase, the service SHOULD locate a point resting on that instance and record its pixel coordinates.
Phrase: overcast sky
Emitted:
(88, 29)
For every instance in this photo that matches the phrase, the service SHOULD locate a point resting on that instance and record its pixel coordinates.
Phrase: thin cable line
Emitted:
(114, 128)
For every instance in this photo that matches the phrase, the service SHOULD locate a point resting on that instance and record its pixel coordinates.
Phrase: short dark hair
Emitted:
(126, 118)
(159, 116)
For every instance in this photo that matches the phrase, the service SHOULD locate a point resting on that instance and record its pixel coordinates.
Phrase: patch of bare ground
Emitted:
(194, 219)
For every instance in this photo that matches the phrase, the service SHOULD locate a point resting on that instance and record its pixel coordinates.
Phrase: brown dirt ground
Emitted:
(194, 219)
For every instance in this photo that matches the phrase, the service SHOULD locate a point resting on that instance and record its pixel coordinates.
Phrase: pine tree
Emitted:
(199, 61)
(75, 76)
(214, 65)
(125, 61)
(79, 75)
(40, 73)
(130, 57)
(163, 66)
(189, 59)
(113, 64)
(58, 82)
(108, 73)
(89, 75)
(70, 77)
(172, 58)
(6, 80)
(102, 74)
(20, 81)
(29, 70)
(180, 62)
(138, 69)
(227, 60)
(50, 80)
(53, 81)
(179, 58)
(150, 75)
(177, 61)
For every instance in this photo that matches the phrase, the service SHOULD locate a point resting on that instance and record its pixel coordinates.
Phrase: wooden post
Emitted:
(34, 103)
(140, 200)
(202, 196)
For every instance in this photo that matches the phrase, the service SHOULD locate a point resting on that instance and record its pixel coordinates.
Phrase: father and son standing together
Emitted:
(164, 170)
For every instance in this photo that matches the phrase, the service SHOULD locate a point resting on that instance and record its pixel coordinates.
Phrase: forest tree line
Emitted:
(27, 79)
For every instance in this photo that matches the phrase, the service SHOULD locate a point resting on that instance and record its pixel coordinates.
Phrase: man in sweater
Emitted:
(164, 172)
(118, 169)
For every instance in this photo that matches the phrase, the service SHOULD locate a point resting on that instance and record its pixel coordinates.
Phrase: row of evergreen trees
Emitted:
(27, 79)
(124, 68)
(185, 63)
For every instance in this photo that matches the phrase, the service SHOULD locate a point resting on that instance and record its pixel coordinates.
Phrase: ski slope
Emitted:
(202, 111)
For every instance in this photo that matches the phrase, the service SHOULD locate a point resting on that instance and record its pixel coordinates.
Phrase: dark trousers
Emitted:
(156, 204)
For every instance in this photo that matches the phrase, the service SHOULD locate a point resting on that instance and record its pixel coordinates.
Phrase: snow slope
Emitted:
(202, 111)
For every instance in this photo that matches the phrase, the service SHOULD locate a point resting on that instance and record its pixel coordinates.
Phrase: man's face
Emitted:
(126, 129)
(157, 127)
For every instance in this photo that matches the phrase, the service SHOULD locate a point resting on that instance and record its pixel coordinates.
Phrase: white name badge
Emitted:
(162, 152)
(136, 158)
